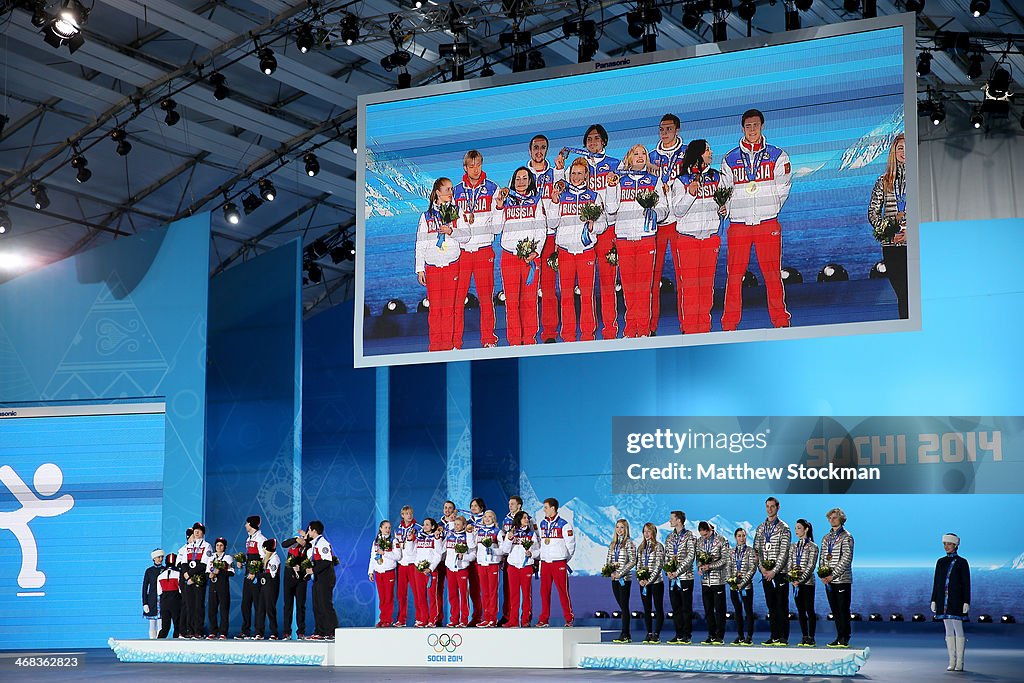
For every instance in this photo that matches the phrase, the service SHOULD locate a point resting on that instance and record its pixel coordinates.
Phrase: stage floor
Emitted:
(895, 658)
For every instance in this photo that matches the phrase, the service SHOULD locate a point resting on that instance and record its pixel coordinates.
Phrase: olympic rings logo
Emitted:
(444, 642)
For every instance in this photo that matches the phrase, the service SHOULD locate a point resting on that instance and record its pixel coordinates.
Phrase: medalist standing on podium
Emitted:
(744, 568)
(803, 558)
(322, 571)
(771, 543)
(837, 556)
(681, 548)
(621, 559)
(556, 549)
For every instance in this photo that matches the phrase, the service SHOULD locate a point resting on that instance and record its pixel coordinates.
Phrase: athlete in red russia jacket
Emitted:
(557, 545)
(601, 167)
(429, 550)
(405, 544)
(545, 176)
(636, 231)
(667, 163)
(762, 175)
(523, 221)
(457, 560)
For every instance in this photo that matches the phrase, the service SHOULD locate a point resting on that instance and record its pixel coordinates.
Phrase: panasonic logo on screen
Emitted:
(8, 413)
(609, 65)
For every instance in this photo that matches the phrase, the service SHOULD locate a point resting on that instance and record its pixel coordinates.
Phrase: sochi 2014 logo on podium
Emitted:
(443, 647)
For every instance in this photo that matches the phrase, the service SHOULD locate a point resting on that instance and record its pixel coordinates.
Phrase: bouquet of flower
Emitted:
(524, 248)
(423, 566)
(671, 566)
(612, 257)
(553, 261)
(648, 199)
(487, 542)
(590, 212)
(220, 565)
(197, 579)
(768, 564)
(733, 582)
(239, 558)
(703, 557)
(608, 570)
(723, 195)
(461, 548)
(527, 543)
(306, 564)
(384, 544)
(254, 567)
(824, 570)
(643, 574)
(887, 230)
(448, 213)
(292, 561)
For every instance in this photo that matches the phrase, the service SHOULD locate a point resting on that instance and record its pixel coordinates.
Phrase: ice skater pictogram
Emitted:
(48, 479)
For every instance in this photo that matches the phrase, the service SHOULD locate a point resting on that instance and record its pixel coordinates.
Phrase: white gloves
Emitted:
(933, 606)
(145, 609)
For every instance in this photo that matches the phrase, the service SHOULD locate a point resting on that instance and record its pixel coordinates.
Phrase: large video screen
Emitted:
(81, 498)
(714, 194)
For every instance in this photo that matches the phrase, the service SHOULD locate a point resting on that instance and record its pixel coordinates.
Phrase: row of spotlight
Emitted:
(854, 616)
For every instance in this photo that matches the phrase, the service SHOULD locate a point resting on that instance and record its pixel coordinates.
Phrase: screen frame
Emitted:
(906, 21)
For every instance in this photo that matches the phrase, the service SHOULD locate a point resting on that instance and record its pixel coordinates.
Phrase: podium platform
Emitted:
(798, 661)
(183, 651)
(512, 648)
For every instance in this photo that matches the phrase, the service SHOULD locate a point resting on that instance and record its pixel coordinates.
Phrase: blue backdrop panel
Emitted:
(496, 432)
(122, 321)
(965, 361)
(338, 456)
(418, 451)
(254, 388)
(73, 579)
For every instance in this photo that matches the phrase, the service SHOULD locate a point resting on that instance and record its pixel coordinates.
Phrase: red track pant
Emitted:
(442, 290)
(488, 591)
(636, 269)
(479, 265)
(606, 280)
(520, 589)
(570, 268)
(549, 300)
(427, 595)
(442, 574)
(406, 579)
(385, 582)
(766, 237)
(695, 261)
(458, 597)
(666, 238)
(474, 594)
(520, 303)
(556, 572)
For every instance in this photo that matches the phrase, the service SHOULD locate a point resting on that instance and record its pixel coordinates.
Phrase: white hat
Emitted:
(156, 553)
(951, 538)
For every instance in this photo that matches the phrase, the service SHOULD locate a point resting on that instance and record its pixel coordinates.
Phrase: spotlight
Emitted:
(974, 69)
(635, 26)
(41, 200)
(348, 250)
(5, 221)
(833, 272)
(349, 29)
(65, 28)
(266, 189)
(918, 619)
(499, 298)
(536, 60)
(616, 614)
(268, 62)
(874, 616)
(600, 614)
(878, 271)
(304, 39)
(80, 164)
(792, 276)
(250, 203)
(914, 5)
(231, 214)
(404, 80)
(851, 6)
(938, 114)
(691, 18)
(856, 616)
(977, 118)
(353, 142)
(515, 39)
(985, 619)
(924, 63)
(396, 60)
(220, 88)
(120, 136)
(636, 615)
(747, 10)
(750, 280)
(423, 306)
(487, 71)
(979, 8)
(319, 247)
(395, 307)
(39, 16)
(314, 273)
(1007, 619)
(471, 301)
(415, 4)
(896, 616)
(804, 5)
(998, 85)
(171, 107)
(312, 164)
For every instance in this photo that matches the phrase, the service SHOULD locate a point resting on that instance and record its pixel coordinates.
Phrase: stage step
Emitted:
(513, 648)
(182, 651)
(798, 661)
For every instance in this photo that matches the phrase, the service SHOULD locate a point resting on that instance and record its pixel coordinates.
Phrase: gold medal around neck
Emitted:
(752, 188)
(380, 560)
(547, 541)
